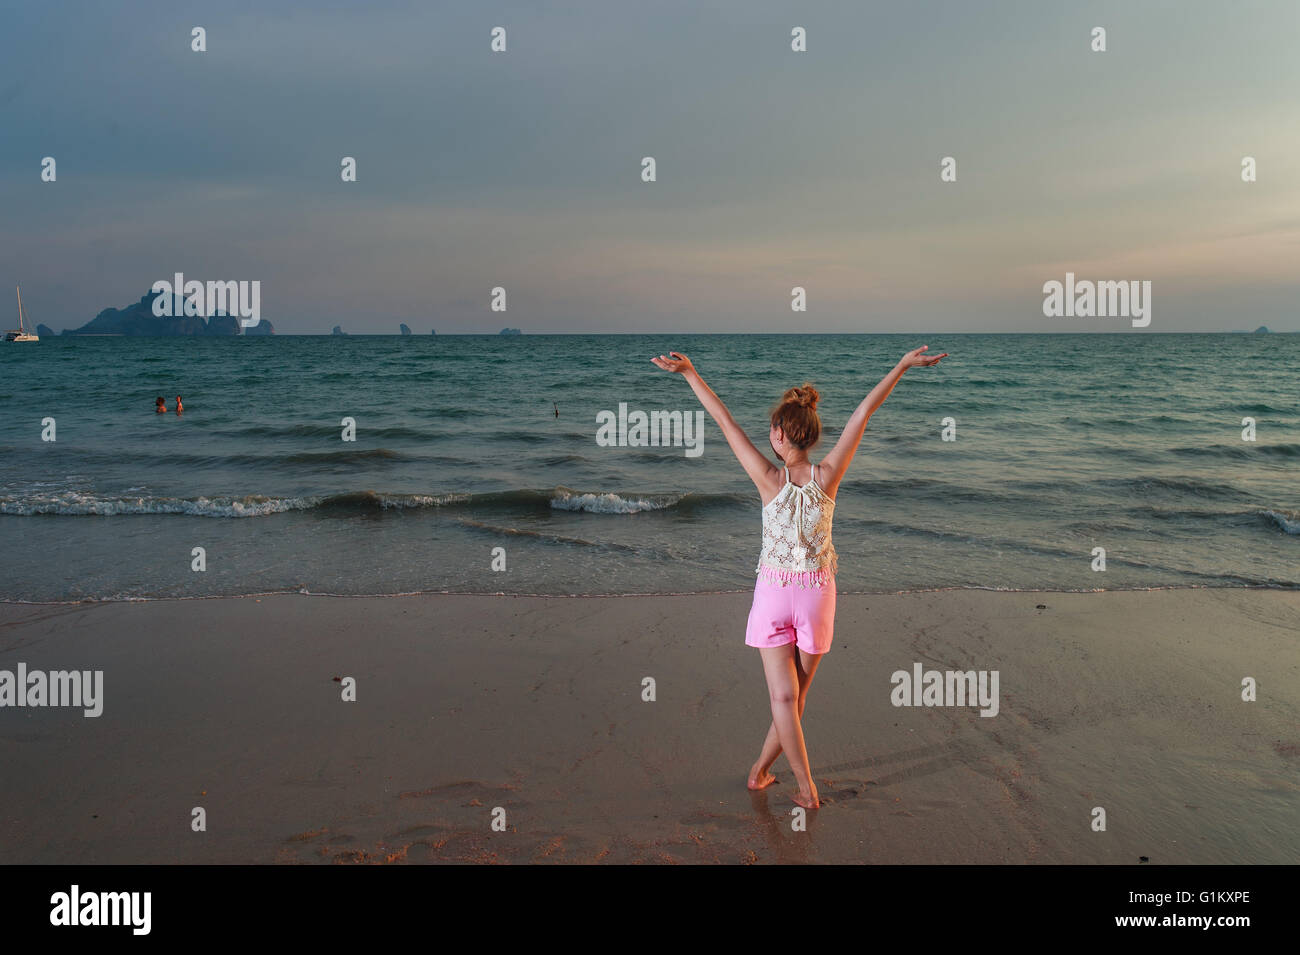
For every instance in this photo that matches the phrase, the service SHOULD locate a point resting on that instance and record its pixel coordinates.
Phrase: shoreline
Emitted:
(1124, 700)
(94, 601)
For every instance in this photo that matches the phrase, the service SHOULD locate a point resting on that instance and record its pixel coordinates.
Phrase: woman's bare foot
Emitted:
(807, 800)
(760, 779)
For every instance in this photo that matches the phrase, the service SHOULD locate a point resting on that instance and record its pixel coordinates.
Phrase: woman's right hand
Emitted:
(914, 358)
(674, 361)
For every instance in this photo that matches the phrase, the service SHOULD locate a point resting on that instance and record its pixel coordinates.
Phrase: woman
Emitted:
(792, 618)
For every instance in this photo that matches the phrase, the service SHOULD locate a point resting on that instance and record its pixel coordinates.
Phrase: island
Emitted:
(44, 331)
(510, 331)
(338, 330)
(404, 328)
(139, 319)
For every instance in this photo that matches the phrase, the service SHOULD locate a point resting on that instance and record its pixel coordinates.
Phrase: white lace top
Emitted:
(797, 535)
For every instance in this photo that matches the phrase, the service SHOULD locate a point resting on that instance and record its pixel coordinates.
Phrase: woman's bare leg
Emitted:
(760, 776)
(782, 674)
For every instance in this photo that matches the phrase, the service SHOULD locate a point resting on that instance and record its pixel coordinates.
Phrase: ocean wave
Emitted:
(1262, 408)
(337, 459)
(375, 501)
(351, 454)
(594, 503)
(1288, 523)
(76, 504)
(928, 489)
(1180, 485)
(1241, 451)
(80, 504)
(1134, 422)
(550, 538)
(321, 431)
(517, 435)
(997, 383)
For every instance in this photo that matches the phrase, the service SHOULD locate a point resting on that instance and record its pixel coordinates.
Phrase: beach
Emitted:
(466, 705)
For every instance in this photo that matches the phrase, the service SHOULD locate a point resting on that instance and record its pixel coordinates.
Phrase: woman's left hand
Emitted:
(674, 361)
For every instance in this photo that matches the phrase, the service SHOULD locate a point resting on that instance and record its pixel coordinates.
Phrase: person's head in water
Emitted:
(796, 427)
(160, 404)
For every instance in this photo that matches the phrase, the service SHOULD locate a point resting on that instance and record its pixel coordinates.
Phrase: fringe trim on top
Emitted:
(802, 578)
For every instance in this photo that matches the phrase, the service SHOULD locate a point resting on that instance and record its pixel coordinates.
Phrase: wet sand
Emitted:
(1129, 701)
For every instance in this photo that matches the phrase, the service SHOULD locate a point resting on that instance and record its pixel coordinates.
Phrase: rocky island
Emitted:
(139, 319)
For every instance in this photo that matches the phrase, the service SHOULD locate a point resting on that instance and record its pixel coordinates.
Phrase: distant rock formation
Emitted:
(510, 331)
(404, 328)
(139, 319)
(434, 332)
(1262, 328)
(223, 325)
(44, 331)
(338, 330)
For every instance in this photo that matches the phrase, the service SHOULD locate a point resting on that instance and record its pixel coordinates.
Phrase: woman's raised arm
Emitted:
(837, 462)
(760, 470)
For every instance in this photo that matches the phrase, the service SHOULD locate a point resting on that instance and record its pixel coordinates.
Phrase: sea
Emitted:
(477, 464)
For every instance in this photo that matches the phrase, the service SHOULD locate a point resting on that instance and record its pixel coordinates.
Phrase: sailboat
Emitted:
(21, 334)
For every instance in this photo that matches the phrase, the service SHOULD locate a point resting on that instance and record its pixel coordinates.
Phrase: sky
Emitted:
(775, 169)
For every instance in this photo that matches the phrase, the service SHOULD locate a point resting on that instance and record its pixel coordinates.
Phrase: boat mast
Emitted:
(21, 328)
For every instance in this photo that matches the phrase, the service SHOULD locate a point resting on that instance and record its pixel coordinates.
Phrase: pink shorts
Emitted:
(804, 616)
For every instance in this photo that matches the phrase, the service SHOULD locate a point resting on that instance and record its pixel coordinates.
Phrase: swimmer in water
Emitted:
(160, 406)
(179, 409)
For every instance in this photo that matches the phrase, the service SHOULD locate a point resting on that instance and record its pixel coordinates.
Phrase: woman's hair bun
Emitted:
(796, 415)
(805, 397)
